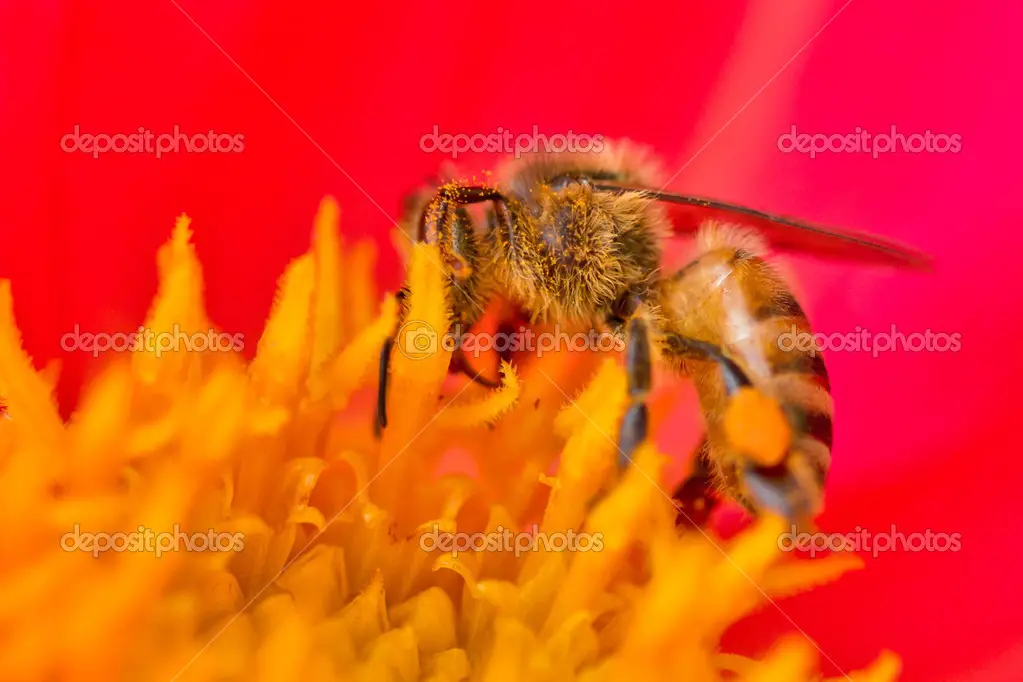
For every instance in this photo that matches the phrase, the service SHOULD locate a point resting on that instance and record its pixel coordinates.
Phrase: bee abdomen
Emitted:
(809, 408)
(817, 425)
(784, 330)
(798, 375)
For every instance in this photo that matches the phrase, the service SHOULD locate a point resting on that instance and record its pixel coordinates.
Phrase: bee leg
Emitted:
(694, 497)
(688, 347)
(438, 211)
(766, 476)
(445, 222)
(505, 330)
(634, 426)
(460, 365)
(380, 420)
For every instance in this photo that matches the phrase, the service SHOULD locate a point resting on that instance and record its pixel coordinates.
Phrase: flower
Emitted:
(286, 543)
(336, 97)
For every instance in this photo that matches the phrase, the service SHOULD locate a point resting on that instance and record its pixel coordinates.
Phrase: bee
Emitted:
(579, 237)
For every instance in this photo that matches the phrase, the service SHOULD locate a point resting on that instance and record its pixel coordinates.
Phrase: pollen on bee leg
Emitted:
(755, 425)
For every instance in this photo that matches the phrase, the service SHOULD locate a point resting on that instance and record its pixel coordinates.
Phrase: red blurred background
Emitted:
(334, 99)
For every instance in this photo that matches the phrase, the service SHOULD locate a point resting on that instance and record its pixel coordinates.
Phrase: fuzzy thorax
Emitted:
(575, 251)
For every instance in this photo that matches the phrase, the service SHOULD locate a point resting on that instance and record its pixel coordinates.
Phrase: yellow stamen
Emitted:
(325, 568)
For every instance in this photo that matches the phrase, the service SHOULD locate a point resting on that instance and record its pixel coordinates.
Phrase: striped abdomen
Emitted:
(731, 297)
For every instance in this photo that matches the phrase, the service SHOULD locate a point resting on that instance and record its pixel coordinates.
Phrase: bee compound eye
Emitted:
(562, 181)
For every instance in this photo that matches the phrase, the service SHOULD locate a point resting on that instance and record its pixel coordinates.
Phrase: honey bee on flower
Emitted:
(578, 237)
